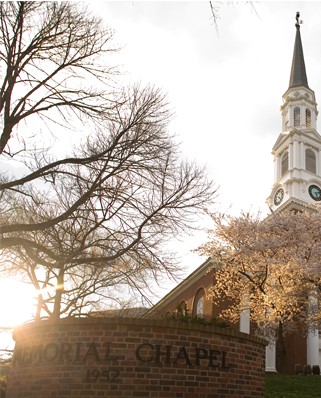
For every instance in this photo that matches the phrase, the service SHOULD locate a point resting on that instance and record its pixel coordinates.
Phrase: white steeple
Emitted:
(297, 157)
(297, 151)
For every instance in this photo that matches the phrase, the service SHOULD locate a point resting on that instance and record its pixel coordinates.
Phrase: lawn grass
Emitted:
(282, 386)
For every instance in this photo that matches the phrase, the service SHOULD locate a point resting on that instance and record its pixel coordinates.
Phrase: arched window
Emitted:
(296, 116)
(310, 161)
(308, 117)
(198, 307)
(284, 163)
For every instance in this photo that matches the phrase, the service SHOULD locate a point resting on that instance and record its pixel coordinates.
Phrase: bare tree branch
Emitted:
(82, 225)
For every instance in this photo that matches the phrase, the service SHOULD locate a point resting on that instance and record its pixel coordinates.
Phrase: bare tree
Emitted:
(50, 65)
(215, 7)
(76, 225)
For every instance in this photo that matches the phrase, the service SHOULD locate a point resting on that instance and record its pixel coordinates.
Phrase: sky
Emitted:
(224, 85)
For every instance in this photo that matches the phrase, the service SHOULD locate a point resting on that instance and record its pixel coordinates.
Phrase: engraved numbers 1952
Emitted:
(104, 375)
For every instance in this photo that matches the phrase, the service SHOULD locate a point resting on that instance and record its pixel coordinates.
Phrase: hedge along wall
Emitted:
(107, 357)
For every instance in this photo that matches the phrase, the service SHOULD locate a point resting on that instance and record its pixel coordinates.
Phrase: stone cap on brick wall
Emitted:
(138, 323)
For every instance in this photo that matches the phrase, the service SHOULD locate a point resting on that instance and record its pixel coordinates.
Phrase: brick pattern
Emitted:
(134, 358)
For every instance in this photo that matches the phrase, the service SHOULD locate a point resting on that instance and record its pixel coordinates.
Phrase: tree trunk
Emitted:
(280, 349)
(39, 307)
(59, 293)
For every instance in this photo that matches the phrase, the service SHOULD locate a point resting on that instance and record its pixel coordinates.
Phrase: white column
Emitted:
(302, 156)
(319, 163)
(270, 356)
(319, 349)
(314, 118)
(276, 168)
(313, 335)
(313, 347)
(290, 156)
(296, 155)
(245, 321)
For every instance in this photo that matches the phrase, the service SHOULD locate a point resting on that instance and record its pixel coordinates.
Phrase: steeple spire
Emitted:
(297, 151)
(298, 74)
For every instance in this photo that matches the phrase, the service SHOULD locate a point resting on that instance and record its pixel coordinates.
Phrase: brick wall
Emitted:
(124, 357)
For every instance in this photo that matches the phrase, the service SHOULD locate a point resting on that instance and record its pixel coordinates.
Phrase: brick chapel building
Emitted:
(297, 186)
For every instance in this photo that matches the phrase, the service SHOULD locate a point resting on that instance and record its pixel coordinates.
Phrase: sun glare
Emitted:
(16, 303)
